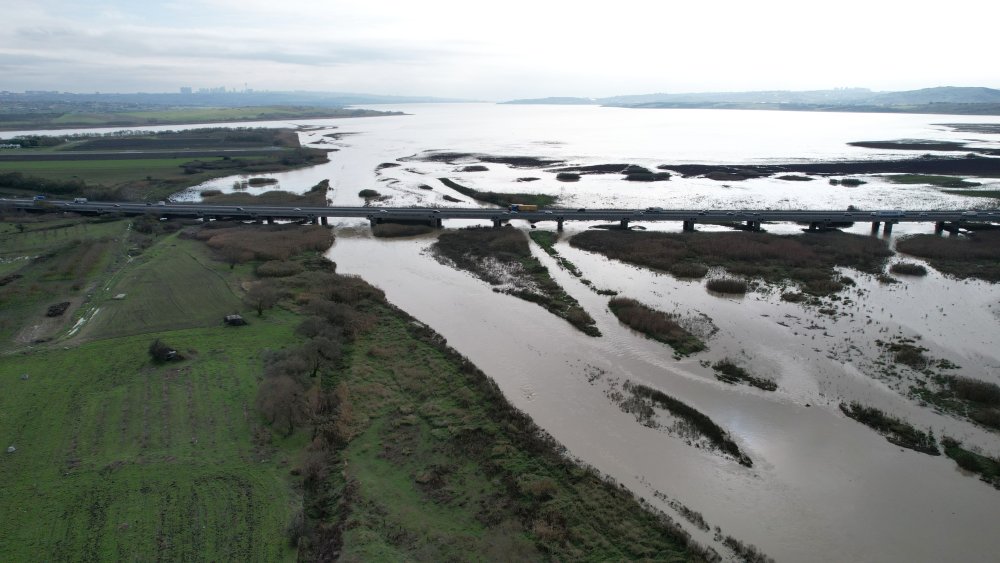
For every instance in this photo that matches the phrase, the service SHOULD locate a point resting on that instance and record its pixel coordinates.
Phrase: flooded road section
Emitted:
(822, 488)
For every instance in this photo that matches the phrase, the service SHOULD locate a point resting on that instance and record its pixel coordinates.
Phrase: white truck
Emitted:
(79, 200)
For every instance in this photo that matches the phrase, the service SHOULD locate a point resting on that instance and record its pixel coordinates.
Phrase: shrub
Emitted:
(733, 286)
(279, 269)
(368, 194)
(161, 352)
(908, 269)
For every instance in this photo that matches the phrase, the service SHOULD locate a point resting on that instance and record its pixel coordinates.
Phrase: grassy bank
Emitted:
(501, 199)
(808, 260)
(656, 325)
(977, 256)
(503, 258)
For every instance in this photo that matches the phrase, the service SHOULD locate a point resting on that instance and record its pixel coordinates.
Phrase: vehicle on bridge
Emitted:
(79, 200)
(517, 207)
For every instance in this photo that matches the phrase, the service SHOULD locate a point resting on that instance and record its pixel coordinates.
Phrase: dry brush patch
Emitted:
(265, 242)
(808, 259)
(976, 256)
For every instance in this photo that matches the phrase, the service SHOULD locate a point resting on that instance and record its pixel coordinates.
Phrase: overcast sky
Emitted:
(496, 50)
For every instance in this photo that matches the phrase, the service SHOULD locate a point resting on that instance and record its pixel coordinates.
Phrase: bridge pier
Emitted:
(497, 223)
(887, 229)
(270, 220)
(688, 226)
(624, 224)
(373, 221)
(938, 227)
(324, 220)
(753, 225)
(559, 224)
(314, 221)
(875, 226)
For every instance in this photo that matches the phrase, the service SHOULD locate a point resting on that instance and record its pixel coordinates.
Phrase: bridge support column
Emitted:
(875, 226)
(438, 222)
(325, 221)
(688, 226)
(270, 220)
(753, 225)
(887, 229)
(938, 227)
(625, 224)
(497, 223)
(314, 221)
(559, 224)
(373, 221)
(813, 226)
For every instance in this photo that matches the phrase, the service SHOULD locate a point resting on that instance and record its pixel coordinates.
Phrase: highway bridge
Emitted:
(751, 218)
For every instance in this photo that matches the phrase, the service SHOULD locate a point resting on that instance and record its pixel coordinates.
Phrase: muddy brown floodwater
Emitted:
(823, 487)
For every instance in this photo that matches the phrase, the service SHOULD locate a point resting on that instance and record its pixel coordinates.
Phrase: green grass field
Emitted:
(106, 172)
(118, 458)
(161, 293)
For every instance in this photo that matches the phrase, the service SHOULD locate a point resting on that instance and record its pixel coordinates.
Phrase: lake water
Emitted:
(823, 487)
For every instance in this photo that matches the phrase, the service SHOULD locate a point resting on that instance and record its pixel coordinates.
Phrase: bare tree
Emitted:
(282, 402)
(262, 295)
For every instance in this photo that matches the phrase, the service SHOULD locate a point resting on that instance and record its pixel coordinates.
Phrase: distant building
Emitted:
(185, 89)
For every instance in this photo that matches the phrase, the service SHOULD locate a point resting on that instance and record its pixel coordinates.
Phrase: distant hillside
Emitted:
(569, 101)
(940, 95)
(941, 100)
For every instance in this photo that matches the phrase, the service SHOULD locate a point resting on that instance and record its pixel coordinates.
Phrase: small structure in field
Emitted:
(235, 320)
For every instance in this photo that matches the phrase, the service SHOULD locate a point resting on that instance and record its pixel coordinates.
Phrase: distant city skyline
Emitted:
(495, 51)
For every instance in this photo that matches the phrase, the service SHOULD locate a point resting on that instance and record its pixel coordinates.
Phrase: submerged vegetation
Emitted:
(503, 258)
(726, 370)
(657, 325)
(895, 430)
(977, 400)
(644, 398)
(977, 256)
(547, 240)
(931, 179)
(501, 199)
(809, 260)
(988, 468)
